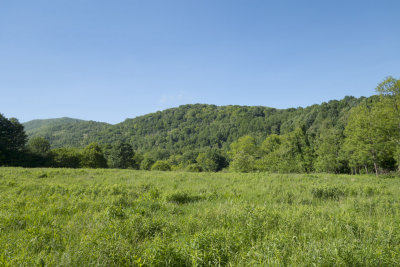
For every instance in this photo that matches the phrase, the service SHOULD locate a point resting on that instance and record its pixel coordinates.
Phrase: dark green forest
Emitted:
(191, 127)
(352, 135)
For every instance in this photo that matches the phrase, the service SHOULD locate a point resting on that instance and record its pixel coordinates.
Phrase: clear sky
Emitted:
(111, 60)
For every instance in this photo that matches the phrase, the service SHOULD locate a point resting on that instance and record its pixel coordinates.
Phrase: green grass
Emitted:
(63, 217)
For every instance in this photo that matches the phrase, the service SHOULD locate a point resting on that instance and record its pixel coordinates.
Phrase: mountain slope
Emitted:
(194, 126)
(41, 125)
(64, 131)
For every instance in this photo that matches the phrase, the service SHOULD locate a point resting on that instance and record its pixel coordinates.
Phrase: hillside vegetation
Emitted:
(347, 136)
(84, 217)
(65, 131)
(192, 126)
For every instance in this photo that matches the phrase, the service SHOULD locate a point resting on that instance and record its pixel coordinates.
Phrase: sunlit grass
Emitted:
(85, 217)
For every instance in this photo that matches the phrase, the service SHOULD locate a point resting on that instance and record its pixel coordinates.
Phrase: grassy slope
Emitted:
(123, 217)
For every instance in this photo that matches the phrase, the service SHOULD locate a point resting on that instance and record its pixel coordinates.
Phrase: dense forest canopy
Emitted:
(193, 126)
(352, 135)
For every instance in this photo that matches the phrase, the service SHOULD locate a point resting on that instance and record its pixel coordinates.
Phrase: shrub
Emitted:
(93, 157)
(66, 158)
(146, 164)
(182, 198)
(193, 168)
(161, 165)
(328, 193)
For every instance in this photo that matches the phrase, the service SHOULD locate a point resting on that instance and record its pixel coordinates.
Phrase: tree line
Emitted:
(347, 136)
(192, 127)
(369, 142)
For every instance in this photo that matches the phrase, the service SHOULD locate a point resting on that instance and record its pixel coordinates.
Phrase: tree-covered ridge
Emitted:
(37, 125)
(64, 132)
(194, 126)
(347, 136)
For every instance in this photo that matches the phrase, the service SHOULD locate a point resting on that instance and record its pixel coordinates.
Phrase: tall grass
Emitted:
(64, 217)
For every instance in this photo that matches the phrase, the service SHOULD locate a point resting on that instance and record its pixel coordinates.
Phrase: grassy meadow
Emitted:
(86, 217)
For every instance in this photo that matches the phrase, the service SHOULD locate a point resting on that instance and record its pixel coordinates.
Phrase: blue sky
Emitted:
(111, 60)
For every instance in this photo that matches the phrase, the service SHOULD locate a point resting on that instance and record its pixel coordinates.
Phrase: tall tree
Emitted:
(365, 144)
(271, 158)
(93, 157)
(211, 160)
(296, 153)
(39, 145)
(38, 154)
(121, 156)
(12, 141)
(244, 153)
(328, 157)
(389, 112)
(66, 158)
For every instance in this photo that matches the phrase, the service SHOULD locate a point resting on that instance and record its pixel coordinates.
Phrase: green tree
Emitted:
(328, 157)
(211, 161)
(365, 144)
(66, 158)
(189, 157)
(161, 165)
(122, 156)
(137, 160)
(190, 129)
(12, 141)
(270, 157)
(39, 145)
(194, 167)
(244, 153)
(38, 154)
(146, 163)
(389, 113)
(93, 157)
(295, 153)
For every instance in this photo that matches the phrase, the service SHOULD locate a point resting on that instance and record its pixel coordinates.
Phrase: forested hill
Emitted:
(39, 125)
(194, 126)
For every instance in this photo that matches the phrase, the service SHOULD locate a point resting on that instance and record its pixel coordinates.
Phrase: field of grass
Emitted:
(64, 217)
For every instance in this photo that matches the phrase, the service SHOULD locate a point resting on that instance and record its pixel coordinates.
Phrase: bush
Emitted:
(161, 165)
(328, 193)
(93, 157)
(211, 161)
(66, 158)
(122, 156)
(193, 168)
(146, 164)
(182, 198)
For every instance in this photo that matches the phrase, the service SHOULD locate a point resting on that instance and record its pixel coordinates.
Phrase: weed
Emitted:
(89, 217)
(182, 198)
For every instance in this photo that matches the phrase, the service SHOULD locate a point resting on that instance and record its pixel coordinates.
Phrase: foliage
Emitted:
(39, 145)
(66, 158)
(93, 157)
(328, 151)
(193, 168)
(351, 135)
(161, 165)
(365, 144)
(244, 153)
(146, 163)
(192, 128)
(12, 141)
(137, 161)
(389, 113)
(122, 156)
(211, 161)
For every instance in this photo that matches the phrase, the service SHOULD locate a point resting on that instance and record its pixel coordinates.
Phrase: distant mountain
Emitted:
(37, 125)
(64, 131)
(196, 126)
